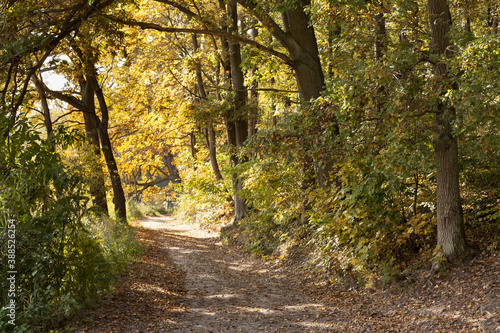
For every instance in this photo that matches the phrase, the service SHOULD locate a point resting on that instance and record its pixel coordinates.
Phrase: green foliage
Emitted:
(64, 256)
(373, 219)
(203, 201)
(371, 130)
(478, 103)
(137, 210)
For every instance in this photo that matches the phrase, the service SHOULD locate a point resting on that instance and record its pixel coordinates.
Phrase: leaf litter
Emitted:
(188, 281)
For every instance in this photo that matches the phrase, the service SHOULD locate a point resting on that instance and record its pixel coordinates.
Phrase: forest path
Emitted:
(227, 291)
(187, 281)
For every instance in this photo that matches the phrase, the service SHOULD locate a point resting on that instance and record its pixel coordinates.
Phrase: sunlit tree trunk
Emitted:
(172, 169)
(212, 151)
(47, 121)
(450, 224)
(192, 147)
(209, 130)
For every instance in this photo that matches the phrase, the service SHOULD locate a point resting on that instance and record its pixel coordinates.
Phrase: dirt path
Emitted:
(230, 292)
(187, 281)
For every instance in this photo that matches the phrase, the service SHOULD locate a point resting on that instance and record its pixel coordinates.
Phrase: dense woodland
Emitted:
(365, 131)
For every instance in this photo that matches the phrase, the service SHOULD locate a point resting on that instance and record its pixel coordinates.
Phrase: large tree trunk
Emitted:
(450, 224)
(116, 184)
(310, 81)
(97, 187)
(304, 52)
(299, 39)
(308, 73)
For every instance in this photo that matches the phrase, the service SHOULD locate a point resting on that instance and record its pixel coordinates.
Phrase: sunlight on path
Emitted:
(230, 292)
(187, 281)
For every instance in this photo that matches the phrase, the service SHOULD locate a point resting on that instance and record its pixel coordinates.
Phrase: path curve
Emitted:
(230, 292)
(187, 281)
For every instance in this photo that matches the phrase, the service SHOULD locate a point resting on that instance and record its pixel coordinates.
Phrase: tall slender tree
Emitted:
(209, 130)
(237, 118)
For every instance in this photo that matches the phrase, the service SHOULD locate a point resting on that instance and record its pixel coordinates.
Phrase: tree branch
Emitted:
(151, 183)
(157, 27)
(73, 101)
(181, 8)
(285, 39)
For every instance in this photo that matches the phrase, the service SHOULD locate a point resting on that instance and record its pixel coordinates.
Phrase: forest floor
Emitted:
(188, 281)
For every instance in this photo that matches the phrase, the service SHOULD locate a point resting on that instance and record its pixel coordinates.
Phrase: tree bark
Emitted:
(172, 169)
(450, 225)
(47, 121)
(192, 147)
(254, 96)
(119, 200)
(237, 120)
(212, 151)
(304, 51)
(380, 33)
(310, 81)
(209, 130)
(97, 187)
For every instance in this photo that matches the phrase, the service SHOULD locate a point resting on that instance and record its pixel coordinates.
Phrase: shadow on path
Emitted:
(187, 281)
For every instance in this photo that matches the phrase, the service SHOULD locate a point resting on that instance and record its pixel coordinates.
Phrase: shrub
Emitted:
(65, 256)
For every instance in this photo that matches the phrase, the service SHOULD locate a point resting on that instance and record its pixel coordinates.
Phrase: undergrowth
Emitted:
(137, 210)
(56, 253)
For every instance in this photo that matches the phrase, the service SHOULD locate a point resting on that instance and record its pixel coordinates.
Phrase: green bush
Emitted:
(64, 255)
(203, 201)
(137, 210)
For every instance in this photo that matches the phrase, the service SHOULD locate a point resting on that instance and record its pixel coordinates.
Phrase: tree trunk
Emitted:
(310, 81)
(254, 97)
(172, 169)
(304, 52)
(116, 184)
(380, 50)
(209, 130)
(237, 120)
(380, 33)
(212, 152)
(192, 147)
(43, 100)
(450, 224)
(299, 39)
(97, 187)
